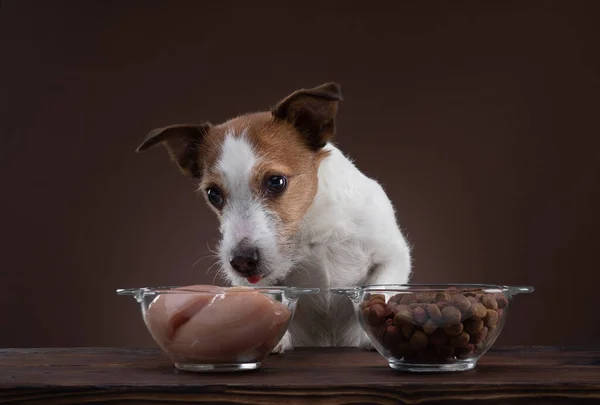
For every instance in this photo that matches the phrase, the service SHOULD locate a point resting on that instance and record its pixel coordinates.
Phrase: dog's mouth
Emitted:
(253, 279)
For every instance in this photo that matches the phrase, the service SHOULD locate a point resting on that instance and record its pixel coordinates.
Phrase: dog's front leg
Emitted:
(284, 345)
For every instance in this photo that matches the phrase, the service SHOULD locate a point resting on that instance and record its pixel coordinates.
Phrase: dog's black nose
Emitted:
(245, 260)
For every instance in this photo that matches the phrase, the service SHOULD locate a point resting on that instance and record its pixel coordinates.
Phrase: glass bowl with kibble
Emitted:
(432, 328)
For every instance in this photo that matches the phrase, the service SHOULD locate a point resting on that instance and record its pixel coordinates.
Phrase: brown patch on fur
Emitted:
(281, 150)
(288, 141)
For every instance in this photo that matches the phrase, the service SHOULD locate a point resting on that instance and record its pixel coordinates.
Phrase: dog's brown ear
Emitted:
(182, 141)
(312, 112)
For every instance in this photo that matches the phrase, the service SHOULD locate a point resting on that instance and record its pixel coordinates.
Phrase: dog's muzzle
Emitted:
(245, 261)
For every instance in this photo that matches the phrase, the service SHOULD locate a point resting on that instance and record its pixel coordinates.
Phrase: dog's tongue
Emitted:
(253, 279)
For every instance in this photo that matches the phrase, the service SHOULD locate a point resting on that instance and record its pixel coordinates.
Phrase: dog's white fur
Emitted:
(349, 236)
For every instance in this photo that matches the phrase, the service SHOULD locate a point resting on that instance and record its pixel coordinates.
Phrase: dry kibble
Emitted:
(418, 341)
(489, 302)
(473, 326)
(407, 329)
(465, 351)
(460, 340)
(442, 296)
(480, 336)
(377, 297)
(425, 298)
(435, 313)
(394, 299)
(376, 314)
(443, 304)
(461, 302)
(454, 330)
(390, 336)
(452, 315)
(478, 311)
(439, 337)
(403, 315)
(399, 349)
(446, 352)
(420, 315)
(429, 327)
(502, 301)
(407, 299)
(491, 318)
(428, 354)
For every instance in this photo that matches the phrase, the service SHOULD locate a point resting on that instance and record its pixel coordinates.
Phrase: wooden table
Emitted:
(539, 375)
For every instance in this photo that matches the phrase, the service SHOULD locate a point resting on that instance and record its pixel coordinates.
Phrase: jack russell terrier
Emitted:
(293, 210)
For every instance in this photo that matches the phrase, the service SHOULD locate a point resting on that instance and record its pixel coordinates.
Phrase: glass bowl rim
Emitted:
(141, 291)
(423, 287)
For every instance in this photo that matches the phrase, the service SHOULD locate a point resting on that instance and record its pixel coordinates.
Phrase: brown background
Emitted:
(481, 119)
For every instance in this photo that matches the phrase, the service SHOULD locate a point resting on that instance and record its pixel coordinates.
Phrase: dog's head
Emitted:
(258, 172)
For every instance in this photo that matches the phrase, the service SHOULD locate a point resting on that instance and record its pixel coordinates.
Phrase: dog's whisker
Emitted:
(210, 256)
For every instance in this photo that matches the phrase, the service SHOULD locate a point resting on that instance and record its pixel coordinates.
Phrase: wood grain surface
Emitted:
(538, 375)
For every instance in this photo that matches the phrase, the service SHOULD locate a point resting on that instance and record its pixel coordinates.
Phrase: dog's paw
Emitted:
(284, 345)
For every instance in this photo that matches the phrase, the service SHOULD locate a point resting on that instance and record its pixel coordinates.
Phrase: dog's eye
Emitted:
(215, 197)
(276, 184)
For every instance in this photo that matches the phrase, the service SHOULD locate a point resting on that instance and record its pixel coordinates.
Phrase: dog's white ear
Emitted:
(182, 141)
(312, 112)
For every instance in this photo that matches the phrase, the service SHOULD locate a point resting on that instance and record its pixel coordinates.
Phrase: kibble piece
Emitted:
(460, 340)
(502, 301)
(395, 299)
(465, 351)
(403, 315)
(439, 337)
(473, 326)
(420, 315)
(461, 302)
(407, 299)
(452, 315)
(429, 327)
(407, 329)
(428, 355)
(491, 318)
(376, 314)
(399, 349)
(418, 341)
(454, 330)
(479, 336)
(446, 352)
(390, 336)
(489, 302)
(378, 297)
(478, 311)
(443, 304)
(435, 313)
(425, 298)
(442, 296)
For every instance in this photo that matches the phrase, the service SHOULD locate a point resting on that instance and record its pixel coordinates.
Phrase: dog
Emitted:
(294, 210)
